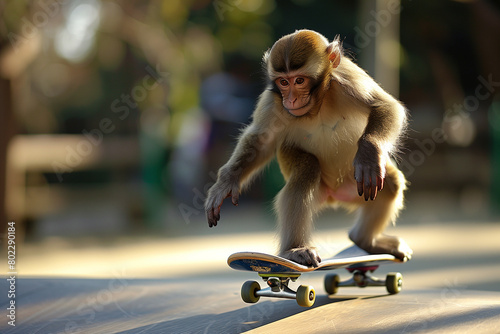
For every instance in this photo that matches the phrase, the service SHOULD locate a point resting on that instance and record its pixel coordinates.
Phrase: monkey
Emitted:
(334, 132)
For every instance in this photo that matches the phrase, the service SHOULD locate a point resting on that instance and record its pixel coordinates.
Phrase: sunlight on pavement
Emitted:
(442, 253)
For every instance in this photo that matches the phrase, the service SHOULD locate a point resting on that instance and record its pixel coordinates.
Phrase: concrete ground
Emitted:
(159, 284)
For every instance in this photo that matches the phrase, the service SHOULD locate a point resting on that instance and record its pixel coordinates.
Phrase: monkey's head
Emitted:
(299, 68)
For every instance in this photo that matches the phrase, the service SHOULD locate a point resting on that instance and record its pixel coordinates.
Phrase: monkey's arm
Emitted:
(386, 121)
(256, 146)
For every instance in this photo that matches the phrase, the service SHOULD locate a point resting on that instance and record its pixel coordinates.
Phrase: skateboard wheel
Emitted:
(306, 296)
(332, 283)
(394, 283)
(248, 290)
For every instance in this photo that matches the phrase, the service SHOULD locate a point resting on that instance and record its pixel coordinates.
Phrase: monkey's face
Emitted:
(295, 90)
(298, 65)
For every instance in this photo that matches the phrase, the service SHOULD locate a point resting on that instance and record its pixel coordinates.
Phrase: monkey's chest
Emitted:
(328, 141)
(333, 143)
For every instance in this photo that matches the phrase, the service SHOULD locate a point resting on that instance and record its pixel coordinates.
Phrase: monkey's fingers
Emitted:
(373, 192)
(310, 257)
(380, 183)
(374, 185)
(358, 176)
(360, 188)
(314, 259)
(368, 184)
(235, 195)
(213, 214)
(364, 188)
(212, 220)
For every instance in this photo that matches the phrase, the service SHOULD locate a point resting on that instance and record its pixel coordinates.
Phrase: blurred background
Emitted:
(116, 115)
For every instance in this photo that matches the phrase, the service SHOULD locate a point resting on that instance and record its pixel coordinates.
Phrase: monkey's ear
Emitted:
(334, 53)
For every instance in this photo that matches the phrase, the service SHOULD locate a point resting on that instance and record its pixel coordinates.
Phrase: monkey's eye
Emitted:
(299, 81)
(283, 82)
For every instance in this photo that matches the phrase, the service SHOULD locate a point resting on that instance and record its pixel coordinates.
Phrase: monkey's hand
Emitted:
(369, 169)
(224, 187)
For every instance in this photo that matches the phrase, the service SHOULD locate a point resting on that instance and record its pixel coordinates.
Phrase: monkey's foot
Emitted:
(307, 256)
(386, 244)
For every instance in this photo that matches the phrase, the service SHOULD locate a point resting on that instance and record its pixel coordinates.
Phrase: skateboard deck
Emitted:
(351, 257)
(278, 271)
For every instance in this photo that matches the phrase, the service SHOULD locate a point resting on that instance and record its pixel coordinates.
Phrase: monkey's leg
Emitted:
(295, 205)
(374, 216)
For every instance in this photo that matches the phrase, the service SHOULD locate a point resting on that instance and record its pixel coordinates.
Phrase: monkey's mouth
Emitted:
(297, 112)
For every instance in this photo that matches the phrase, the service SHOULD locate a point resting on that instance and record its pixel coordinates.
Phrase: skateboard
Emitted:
(277, 272)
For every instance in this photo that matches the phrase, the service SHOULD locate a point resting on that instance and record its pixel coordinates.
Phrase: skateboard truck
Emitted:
(361, 278)
(278, 288)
